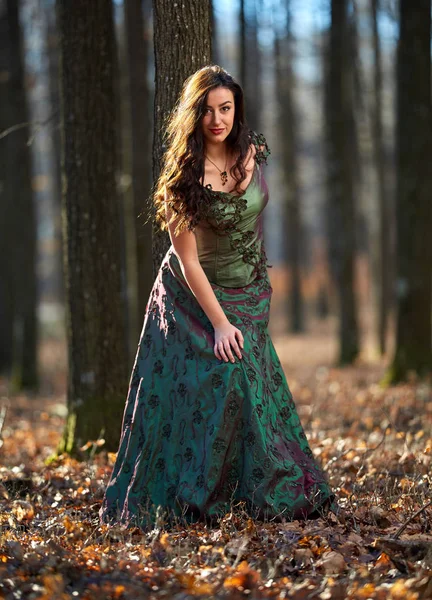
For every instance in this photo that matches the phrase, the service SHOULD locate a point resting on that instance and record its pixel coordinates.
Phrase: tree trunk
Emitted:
(6, 202)
(341, 214)
(19, 298)
(242, 45)
(385, 220)
(182, 39)
(249, 58)
(52, 50)
(292, 219)
(96, 334)
(141, 134)
(253, 74)
(413, 193)
(216, 57)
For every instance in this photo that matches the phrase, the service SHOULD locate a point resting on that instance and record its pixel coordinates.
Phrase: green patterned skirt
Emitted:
(199, 434)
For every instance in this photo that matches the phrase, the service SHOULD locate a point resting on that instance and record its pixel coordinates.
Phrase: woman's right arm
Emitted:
(226, 334)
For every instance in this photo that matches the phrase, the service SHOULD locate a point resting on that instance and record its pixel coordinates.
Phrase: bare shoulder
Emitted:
(250, 157)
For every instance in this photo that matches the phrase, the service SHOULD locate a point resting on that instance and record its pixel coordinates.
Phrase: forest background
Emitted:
(341, 90)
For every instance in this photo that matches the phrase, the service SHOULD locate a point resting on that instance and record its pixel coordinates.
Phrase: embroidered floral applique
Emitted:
(224, 215)
(262, 149)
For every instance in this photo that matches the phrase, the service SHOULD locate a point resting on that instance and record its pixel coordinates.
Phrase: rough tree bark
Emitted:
(96, 336)
(341, 214)
(182, 41)
(413, 193)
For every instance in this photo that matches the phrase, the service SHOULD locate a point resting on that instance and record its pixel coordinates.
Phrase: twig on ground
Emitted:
(411, 518)
(365, 452)
(3, 411)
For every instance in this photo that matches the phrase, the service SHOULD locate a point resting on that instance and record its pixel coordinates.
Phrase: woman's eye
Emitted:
(224, 108)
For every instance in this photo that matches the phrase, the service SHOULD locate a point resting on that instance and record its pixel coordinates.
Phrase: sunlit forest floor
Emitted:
(374, 443)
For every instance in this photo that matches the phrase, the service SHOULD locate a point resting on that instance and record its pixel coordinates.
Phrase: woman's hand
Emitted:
(226, 337)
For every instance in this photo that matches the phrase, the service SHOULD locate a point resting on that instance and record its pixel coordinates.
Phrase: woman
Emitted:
(209, 418)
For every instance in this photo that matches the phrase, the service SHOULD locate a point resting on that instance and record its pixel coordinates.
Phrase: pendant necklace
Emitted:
(223, 174)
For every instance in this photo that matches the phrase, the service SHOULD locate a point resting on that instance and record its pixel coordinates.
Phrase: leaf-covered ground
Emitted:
(375, 443)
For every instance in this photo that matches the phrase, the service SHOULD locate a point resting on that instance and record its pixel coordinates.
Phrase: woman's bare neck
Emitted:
(216, 152)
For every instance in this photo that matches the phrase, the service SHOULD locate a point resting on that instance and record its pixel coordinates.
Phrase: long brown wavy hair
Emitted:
(179, 184)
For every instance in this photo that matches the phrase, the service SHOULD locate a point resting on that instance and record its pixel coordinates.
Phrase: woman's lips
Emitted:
(216, 131)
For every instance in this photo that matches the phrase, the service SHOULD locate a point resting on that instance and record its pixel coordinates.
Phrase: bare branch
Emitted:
(36, 124)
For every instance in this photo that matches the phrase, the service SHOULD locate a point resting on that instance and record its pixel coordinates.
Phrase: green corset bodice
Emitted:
(230, 241)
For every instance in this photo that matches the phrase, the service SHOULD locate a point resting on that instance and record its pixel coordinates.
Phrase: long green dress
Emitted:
(200, 434)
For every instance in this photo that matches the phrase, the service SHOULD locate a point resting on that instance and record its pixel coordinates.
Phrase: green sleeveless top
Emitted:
(230, 238)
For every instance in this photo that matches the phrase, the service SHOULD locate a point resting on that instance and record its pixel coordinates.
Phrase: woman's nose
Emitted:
(217, 118)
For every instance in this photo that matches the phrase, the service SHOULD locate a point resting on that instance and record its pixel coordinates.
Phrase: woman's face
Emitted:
(218, 118)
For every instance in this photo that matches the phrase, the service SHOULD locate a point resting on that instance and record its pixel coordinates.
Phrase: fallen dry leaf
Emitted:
(22, 510)
(332, 563)
(51, 542)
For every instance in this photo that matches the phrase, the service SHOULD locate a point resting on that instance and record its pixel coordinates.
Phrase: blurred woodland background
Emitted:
(342, 91)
